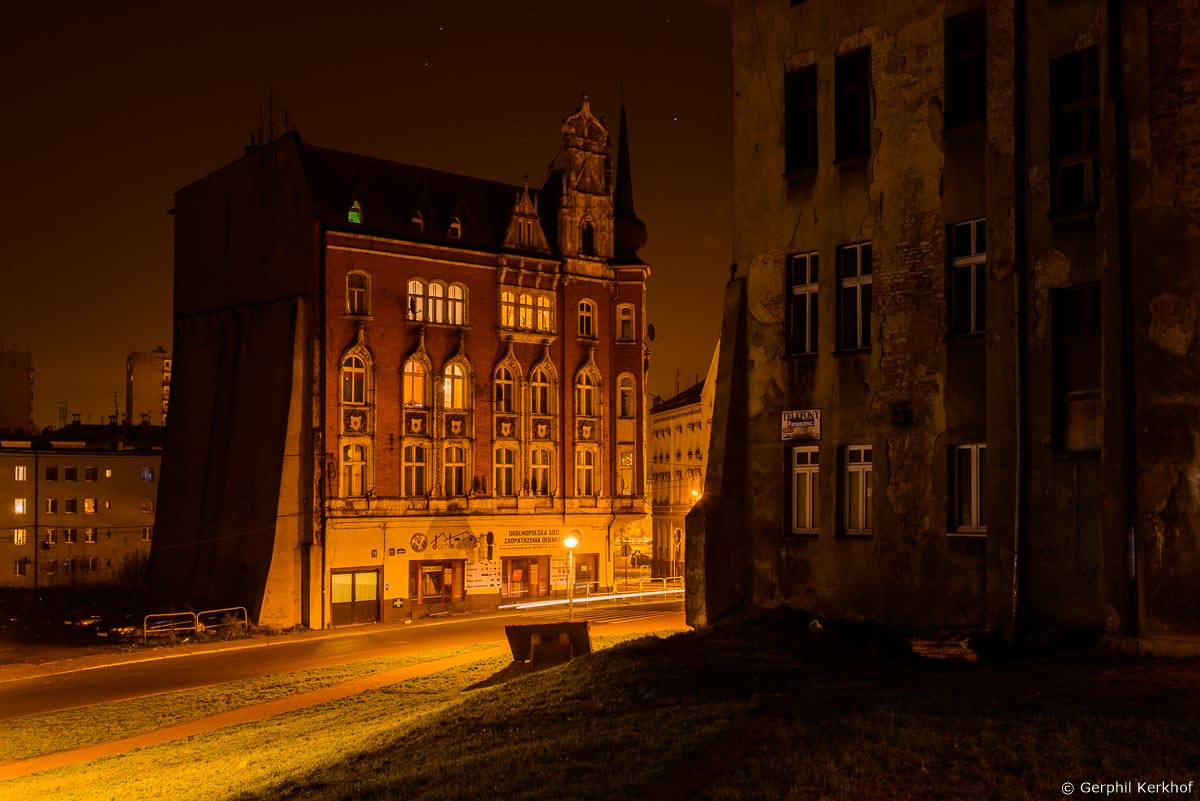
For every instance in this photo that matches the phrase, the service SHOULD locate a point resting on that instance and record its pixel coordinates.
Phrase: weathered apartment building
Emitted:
(397, 390)
(147, 386)
(958, 379)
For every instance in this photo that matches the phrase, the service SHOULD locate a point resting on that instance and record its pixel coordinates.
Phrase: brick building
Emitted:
(962, 237)
(397, 390)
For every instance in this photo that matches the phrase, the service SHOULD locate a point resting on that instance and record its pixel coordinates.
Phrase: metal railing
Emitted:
(169, 623)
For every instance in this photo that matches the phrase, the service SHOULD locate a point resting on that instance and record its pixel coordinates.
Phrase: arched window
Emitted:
(354, 470)
(454, 386)
(525, 318)
(539, 395)
(355, 215)
(415, 457)
(625, 404)
(625, 323)
(504, 484)
(545, 314)
(358, 294)
(585, 396)
(587, 318)
(508, 309)
(540, 466)
(416, 300)
(437, 303)
(456, 305)
(585, 472)
(456, 228)
(504, 389)
(587, 239)
(354, 380)
(416, 388)
(455, 472)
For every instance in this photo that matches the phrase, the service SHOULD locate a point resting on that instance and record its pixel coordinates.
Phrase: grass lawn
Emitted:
(753, 710)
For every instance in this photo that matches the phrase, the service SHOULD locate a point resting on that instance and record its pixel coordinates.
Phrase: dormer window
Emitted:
(587, 239)
(418, 221)
(456, 229)
(355, 215)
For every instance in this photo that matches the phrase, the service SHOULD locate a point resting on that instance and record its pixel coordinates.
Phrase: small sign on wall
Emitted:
(802, 424)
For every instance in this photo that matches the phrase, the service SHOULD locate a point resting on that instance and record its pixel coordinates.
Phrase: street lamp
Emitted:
(570, 542)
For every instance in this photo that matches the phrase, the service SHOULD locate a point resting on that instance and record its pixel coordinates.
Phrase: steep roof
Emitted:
(688, 397)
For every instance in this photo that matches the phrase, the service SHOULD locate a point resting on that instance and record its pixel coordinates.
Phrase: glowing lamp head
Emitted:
(695, 493)
(571, 541)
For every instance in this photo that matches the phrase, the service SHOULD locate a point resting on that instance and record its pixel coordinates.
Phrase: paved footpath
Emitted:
(246, 714)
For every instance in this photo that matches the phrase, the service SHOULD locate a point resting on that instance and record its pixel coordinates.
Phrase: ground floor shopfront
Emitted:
(401, 567)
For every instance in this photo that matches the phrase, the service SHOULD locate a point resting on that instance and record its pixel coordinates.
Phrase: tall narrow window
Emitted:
(454, 387)
(508, 309)
(354, 380)
(585, 396)
(804, 490)
(800, 118)
(1075, 128)
(970, 479)
(858, 489)
(540, 478)
(545, 314)
(625, 473)
(355, 215)
(802, 321)
(587, 239)
(455, 472)
(539, 394)
(854, 288)
(19, 536)
(504, 389)
(968, 274)
(504, 484)
(587, 318)
(966, 69)
(19, 473)
(852, 78)
(358, 295)
(525, 312)
(625, 404)
(414, 470)
(415, 387)
(585, 468)
(354, 469)
(456, 305)
(416, 300)
(1075, 326)
(437, 303)
(625, 323)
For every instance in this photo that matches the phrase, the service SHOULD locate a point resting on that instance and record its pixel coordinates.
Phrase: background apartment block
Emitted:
(16, 391)
(147, 387)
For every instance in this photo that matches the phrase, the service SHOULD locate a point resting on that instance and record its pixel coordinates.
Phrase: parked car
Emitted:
(157, 620)
(80, 621)
(639, 559)
(39, 620)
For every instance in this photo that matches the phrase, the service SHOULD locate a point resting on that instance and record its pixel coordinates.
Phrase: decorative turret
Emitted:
(585, 211)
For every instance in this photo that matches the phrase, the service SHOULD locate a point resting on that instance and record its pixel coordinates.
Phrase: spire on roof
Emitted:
(629, 232)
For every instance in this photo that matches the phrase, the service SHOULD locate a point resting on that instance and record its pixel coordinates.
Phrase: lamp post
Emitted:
(570, 542)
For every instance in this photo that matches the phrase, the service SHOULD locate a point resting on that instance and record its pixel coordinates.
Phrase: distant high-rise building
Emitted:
(148, 386)
(16, 390)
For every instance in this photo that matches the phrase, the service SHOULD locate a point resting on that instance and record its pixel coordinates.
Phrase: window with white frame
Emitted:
(539, 392)
(854, 296)
(19, 505)
(415, 462)
(625, 391)
(585, 396)
(454, 384)
(545, 314)
(504, 484)
(455, 472)
(70, 535)
(967, 280)
(19, 473)
(354, 380)
(802, 311)
(89, 535)
(587, 318)
(416, 300)
(625, 322)
(456, 304)
(416, 387)
(436, 303)
(540, 471)
(585, 472)
(358, 295)
(508, 309)
(970, 480)
(525, 311)
(858, 489)
(19, 536)
(805, 472)
(51, 536)
(503, 387)
(354, 470)
(51, 505)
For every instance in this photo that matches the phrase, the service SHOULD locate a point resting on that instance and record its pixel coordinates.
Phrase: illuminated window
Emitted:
(585, 396)
(51, 536)
(89, 506)
(625, 475)
(508, 309)
(19, 473)
(454, 387)
(437, 303)
(147, 474)
(540, 464)
(456, 305)
(415, 386)
(355, 215)
(540, 392)
(19, 537)
(354, 471)
(525, 316)
(358, 294)
(504, 389)
(89, 535)
(545, 314)
(415, 460)
(416, 300)
(970, 480)
(805, 471)
(626, 406)
(19, 506)
(587, 318)
(148, 506)
(585, 469)
(108, 472)
(354, 380)
(858, 489)
(455, 472)
(506, 459)
(625, 323)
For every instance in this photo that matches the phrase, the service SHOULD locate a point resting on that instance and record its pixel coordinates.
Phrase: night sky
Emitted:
(110, 109)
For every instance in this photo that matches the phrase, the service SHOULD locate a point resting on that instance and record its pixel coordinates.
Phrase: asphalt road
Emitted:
(168, 670)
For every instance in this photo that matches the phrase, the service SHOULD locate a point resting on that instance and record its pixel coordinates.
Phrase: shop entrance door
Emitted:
(354, 597)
